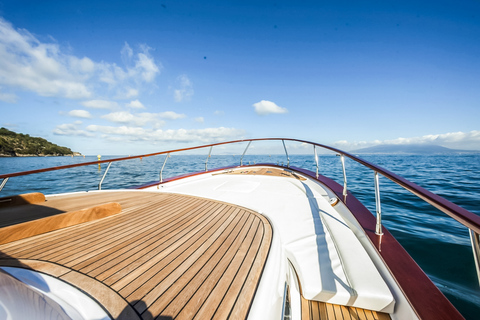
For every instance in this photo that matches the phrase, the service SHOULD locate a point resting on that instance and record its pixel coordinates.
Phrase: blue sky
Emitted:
(125, 77)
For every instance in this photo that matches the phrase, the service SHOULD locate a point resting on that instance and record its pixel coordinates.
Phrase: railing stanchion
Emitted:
(342, 158)
(206, 161)
(378, 227)
(475, 239)
(4, 182)
(101, 181)
(288, 158)
(161, 170)
(316, 160)
(241, 159)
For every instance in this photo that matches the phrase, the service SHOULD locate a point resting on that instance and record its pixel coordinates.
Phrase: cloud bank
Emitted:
(454, 140)
(29, 64)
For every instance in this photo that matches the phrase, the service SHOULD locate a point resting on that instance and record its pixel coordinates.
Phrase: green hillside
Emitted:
(18, 144)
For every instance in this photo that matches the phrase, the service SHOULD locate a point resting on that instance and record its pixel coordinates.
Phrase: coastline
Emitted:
(40, 155)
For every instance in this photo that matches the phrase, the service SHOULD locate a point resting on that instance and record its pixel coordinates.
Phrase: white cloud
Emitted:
(454, 140)
(179, 135)
(219, 113)
(171, 115)
(135, 104)
(185, 91)
(100, 104)
(145, 64)
(80, 114)
(71, 129)
(140, 119)
(265, 107)
(26, 63)
(200, 120)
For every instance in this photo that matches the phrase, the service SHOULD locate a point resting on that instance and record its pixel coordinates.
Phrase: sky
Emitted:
(134, 77)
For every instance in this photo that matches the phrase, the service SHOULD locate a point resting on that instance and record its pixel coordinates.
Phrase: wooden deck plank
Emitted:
(305, 308)
(115, 244)
(325, 311)
(173, 272)
(102, 240)
(274, 172)
(315, 311)
(167, 260)
(168, 255)
(121, 246)
(164, 254)
(248, 253)
(202, 274)
(52, 240)
(217, 296)
(244, 298)
(101, 230)
(189, 300)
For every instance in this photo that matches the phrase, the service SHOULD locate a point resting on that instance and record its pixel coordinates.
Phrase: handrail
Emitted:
(458, 213)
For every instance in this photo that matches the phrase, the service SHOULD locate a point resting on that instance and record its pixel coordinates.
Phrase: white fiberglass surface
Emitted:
(21, 286)
(331, 263)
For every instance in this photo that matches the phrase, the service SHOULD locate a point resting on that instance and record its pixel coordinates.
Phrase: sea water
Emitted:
(439, 244)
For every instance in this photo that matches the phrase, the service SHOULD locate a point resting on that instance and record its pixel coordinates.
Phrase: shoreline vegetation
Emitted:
(14, 144)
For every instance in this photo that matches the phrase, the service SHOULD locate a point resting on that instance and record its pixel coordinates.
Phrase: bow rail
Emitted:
(463, 216)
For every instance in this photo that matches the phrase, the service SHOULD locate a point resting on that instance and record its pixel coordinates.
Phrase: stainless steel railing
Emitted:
(465, 217)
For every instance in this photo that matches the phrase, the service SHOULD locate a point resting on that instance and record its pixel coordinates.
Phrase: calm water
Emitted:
(440, 245)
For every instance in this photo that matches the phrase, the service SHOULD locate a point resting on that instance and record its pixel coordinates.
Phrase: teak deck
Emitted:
(273, 172)
(315, 310)
(164, 256)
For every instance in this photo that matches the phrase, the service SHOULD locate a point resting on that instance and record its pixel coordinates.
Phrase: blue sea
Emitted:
(440, 245)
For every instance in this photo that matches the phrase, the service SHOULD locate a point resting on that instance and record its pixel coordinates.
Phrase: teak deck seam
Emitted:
(165, 255)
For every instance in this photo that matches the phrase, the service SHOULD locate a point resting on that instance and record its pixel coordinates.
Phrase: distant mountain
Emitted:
(14, 144)
(410, 149)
